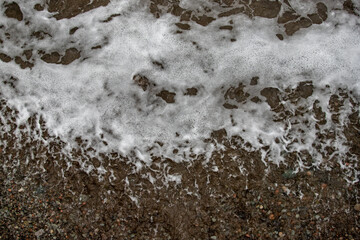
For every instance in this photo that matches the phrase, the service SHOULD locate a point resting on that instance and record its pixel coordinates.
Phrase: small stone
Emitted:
(297, 216)
(213, 237)
(272, 217)
(261, 206)
(39, 233)
(357, 207)
(213, 219)
(317, 217)
(289, 174)
(281, 234)
(21, 190)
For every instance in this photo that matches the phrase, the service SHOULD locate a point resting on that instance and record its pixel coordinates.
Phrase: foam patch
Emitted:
(128, 90)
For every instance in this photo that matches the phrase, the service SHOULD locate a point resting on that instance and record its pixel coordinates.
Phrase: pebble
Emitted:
(39, 233)
(21, 190)
(272, 217)
(357, 207)
(213, 237)
(281, 234)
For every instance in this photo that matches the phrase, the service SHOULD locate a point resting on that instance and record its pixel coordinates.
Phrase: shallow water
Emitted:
(188, 111)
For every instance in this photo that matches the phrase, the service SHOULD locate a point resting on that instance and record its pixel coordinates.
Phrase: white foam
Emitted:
(97, 96)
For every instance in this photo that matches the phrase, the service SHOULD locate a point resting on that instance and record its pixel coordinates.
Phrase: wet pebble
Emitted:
(357, 207)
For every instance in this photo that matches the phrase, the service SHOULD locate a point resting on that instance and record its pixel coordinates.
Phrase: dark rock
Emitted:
(287, 17)
(226, 27)
(71, 8)
(185, 16)
(177, 10)
(38, 7)
(73, 30)
(167, 96)
(229, 106)
(272, 96)
(348, 6)
(23, 64)
(40, 35)
(191, 91)
(280, 36)
(255, 99)
(233, 11)
(5, 58)
(305, 89)
(322, 10)
(158, 64)
(219, 135)
(237, 93)
(53, 57)
(28, 54)
(292, 27)
(203, 20)
(13, 11)
(141, 81)
(71, 55)
(183, 26)
(315, 18)
(254, 81)
(96, 47)
(320, 116)
(265, 8)
(111, 17)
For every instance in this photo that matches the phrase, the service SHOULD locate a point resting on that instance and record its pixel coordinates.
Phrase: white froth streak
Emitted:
(74, 102)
